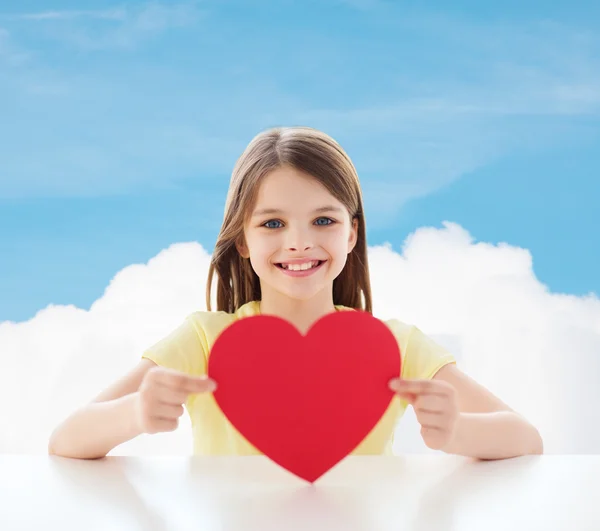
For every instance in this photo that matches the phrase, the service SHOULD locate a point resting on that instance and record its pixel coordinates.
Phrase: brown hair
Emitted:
(311, 152)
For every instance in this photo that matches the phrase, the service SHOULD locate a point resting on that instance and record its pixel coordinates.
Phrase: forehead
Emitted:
(288, 186)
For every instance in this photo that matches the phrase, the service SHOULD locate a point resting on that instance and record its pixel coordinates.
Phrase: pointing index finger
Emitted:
(200, 384)
(186, 382)
(416, 387)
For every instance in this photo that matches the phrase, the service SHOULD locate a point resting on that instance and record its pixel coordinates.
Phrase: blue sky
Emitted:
(121, 124)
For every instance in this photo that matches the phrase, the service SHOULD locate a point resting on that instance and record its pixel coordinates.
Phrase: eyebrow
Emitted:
(320, 210)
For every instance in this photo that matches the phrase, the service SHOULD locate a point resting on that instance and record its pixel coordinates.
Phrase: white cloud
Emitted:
(539, 351)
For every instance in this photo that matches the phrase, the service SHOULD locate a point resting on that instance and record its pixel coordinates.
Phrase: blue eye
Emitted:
(271, 221)
(276, 224)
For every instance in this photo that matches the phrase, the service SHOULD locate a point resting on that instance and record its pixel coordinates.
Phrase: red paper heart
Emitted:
(305, 402)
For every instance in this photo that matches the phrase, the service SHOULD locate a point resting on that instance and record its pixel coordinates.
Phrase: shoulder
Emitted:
(186, 347)
(210, 323)
(210, 319)
(399, 329)
(408, 334)
(421, 355)
(402, 331)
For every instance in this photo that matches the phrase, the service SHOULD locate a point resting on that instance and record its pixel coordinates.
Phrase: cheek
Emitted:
(261, 247)
(337, 243)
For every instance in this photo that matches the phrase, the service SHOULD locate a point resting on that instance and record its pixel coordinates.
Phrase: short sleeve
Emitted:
(421, 356)
(181, 350)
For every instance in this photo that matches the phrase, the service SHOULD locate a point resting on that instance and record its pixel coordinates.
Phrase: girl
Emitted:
(292, 244)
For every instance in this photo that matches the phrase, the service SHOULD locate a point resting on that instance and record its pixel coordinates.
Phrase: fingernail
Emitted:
(211, 385)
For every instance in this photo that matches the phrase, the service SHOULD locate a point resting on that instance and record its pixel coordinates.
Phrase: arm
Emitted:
(486, 427)
(459, 416)
(496, 435)
(94, 430)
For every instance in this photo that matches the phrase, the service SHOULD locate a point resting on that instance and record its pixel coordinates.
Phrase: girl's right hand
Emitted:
(161, 395)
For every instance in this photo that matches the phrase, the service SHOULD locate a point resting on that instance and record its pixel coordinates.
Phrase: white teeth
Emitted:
(300, 267)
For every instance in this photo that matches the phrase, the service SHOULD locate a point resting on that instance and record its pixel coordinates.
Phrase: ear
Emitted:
(353, 235)
(242, 249)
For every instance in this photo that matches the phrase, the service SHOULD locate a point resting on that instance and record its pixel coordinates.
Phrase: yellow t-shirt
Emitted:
(187, 349)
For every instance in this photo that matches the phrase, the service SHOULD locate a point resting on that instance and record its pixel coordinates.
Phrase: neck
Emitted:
(301, 313)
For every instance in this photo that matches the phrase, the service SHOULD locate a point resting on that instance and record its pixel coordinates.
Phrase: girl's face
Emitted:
(298, 236)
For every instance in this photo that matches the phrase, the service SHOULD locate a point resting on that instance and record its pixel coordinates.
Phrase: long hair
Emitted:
(314, 153)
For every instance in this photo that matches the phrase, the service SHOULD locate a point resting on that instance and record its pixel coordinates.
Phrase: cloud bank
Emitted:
(538, 350)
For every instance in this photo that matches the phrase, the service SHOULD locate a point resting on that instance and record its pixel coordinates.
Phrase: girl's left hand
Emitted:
(436, 408)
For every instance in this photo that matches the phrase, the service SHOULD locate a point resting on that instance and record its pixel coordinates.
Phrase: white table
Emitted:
(414, 492)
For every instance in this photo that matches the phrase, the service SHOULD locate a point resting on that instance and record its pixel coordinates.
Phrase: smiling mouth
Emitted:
(306, 266)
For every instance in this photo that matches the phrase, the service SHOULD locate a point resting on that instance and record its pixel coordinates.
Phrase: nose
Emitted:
(298, 240)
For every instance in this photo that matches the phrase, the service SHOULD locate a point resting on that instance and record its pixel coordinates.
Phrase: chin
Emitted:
(301, 295)
(298, 289)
